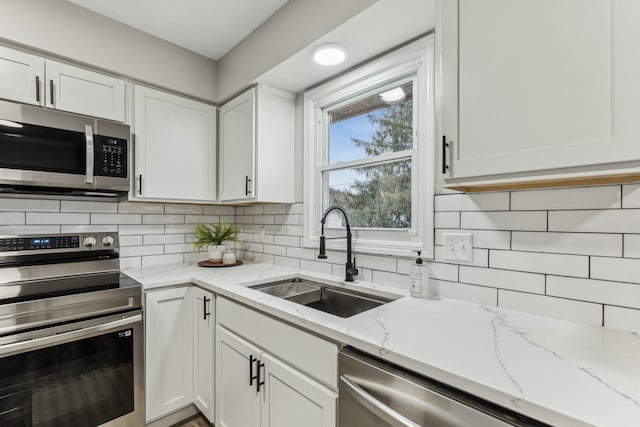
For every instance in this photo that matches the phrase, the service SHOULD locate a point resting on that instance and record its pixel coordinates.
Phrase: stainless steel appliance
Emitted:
(374, 393)
(71, 336)
(55, 152)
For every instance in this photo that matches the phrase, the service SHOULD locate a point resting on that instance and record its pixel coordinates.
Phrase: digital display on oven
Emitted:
(35, 243)
(40, 242)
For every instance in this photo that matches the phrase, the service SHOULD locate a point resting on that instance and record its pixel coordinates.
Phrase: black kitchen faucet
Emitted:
(350, 265)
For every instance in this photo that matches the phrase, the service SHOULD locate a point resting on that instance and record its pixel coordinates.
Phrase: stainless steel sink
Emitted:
(320, 296)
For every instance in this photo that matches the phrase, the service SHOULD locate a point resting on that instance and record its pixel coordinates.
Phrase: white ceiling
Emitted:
(208, 27)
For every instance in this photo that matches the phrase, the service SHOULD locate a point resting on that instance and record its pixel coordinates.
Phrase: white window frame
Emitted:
(411, 62)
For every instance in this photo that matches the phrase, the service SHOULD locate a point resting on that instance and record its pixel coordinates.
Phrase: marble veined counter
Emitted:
(559, 372)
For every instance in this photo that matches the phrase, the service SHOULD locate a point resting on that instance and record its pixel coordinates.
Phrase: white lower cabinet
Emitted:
(260, 382)
(179, 345)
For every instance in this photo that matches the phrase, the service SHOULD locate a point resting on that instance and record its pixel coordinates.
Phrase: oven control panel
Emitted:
(60, 242)
(37, 243)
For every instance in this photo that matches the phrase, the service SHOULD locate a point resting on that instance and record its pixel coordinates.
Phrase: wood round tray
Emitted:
(218, 264)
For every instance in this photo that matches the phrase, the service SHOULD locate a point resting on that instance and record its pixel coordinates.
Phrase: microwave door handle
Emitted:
(66, 337)
(88, 134)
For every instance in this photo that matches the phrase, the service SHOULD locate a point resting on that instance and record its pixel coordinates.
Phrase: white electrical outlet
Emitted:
(458, 247)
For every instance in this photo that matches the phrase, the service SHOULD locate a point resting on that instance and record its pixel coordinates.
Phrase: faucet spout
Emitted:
(350, 265)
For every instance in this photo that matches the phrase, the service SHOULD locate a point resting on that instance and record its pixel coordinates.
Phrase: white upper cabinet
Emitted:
(538, 87)
(257, 147)
(31, 79)
(21, 77)
(175, 147)
(81, 91)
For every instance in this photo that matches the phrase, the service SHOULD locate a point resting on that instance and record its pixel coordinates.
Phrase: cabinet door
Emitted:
(237, 402)
(169, 351)
(292, 399)
(237, 147)
(203, 350)
(539, 85)
(81, 91)
(21, 77)
(175, 155)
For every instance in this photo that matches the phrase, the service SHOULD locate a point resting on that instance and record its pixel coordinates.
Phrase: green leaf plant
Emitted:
(214, 234)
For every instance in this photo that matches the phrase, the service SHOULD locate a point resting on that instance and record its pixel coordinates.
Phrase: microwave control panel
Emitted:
(110, 157)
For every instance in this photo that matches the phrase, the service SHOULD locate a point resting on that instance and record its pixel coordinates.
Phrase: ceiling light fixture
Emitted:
(329, 54)
(393, 96)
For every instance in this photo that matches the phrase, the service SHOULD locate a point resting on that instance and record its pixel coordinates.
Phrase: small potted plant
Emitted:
(212, 237)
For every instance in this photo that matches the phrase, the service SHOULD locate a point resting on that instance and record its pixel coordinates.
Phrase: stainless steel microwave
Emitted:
(47, 151)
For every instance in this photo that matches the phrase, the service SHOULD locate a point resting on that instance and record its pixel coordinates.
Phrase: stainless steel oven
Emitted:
(71, 335)
(61, 152)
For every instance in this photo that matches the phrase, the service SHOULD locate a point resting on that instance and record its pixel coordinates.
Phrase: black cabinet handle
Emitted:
(51, 90)
(205, 313)
(260, 367)
(251, 376)
(38, 89)
(246, 186)
(140, 184)
(444, 154)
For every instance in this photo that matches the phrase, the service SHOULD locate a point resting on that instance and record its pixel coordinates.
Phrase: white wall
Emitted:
(292, 28)
(69, 31)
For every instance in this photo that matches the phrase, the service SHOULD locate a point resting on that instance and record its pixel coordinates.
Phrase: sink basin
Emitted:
(320, 296)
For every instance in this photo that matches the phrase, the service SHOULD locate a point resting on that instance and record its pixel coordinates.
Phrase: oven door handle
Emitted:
(88, 135)
(65, 337)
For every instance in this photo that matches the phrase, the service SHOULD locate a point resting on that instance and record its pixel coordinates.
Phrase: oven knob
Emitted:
(90, 242)
(107, 241)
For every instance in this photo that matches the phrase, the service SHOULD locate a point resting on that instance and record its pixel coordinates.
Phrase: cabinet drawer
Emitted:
(312, 355)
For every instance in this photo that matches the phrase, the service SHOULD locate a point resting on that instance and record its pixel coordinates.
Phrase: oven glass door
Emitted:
(85, 382)
(39, 148)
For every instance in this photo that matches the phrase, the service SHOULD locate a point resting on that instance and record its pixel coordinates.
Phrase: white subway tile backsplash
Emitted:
(286, 261)
(178, 248)
(57, 218)
(568, 243)
(88, 228)
(28, 229)
(152, 260)
(116, 218)
(437, 270)
(286, 240)
(296, 209)
(567, 198)
(598, 291)
(567, 265)
(162, 219)
(631, 196)
(392, 280)
(632, 245)
(254, 210)
(12, 218)
(618, 269)
(525, 220)
(315, 266)
(503, 279)
(487, 239)
(130, 240)
(140, 207)
(472, 202)
(294, 230)
(179, 228)
(447, 219)
(91, 207)
(183, 209)
(31, 205)
(163, 239)
(464, 292)
(302, 253)
(622, 318)
(275, 250)
(374, 262)
(263, 219)
(219, 210)
(130, 262)
(128, 251)
(577, 311)
(596, 221)
(141, 229)
(287, 219)
(275, 209)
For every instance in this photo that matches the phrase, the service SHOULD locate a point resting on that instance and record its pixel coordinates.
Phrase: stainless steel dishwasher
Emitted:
(374, 393)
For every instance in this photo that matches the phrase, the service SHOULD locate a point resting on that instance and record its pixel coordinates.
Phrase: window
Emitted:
(368, 148)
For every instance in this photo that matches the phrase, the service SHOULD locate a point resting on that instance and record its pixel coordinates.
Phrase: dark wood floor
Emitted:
(196, 421)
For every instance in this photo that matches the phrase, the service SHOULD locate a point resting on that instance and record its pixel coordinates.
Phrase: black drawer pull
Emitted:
(251, 376)
(445, 167)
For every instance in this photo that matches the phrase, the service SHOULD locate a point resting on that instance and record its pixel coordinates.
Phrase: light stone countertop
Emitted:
(559, 372)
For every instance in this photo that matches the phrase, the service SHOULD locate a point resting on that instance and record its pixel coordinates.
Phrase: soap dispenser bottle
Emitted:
(419, 279)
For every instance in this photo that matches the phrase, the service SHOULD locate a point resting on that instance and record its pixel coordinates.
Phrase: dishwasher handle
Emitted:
(374, 405)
